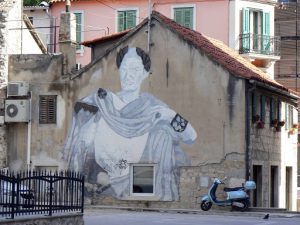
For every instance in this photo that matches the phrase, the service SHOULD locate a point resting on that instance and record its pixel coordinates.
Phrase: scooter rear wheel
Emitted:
(241, 205)
(205, 205)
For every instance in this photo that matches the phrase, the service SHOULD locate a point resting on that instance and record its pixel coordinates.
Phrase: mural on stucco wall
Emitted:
(114, 135)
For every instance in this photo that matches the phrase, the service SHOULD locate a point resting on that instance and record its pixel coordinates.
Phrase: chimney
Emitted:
(67, 39)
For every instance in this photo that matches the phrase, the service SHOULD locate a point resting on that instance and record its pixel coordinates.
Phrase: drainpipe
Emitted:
(29, 136)
(250, 87)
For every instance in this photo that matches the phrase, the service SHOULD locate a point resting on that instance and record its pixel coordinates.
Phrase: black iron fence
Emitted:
(259, 44)
(40, 192)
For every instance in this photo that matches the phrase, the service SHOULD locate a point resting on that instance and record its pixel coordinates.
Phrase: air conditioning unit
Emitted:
(17, 89)
(17, 110)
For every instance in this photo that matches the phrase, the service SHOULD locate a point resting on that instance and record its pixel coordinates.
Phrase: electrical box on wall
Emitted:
(17, 110)
(17, 89)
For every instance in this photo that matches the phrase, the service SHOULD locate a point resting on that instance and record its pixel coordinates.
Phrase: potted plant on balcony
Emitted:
(281, 123)
(274, 123)
(292, 131)
(260, 124)
(255, 118)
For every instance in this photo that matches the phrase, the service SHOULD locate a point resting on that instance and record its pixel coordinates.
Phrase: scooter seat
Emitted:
(226, 189)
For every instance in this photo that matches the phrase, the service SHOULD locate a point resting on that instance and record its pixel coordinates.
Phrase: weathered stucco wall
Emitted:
(211, 99)
(43, 73)
(204, 93)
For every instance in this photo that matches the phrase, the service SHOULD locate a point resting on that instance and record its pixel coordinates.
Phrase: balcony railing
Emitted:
(259, 44)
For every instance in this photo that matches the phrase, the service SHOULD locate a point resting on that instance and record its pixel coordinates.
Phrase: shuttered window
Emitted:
(246, 29)
(126, 19)
(78, 29)
(262, 108)
(265, 31)
(47, 109)
(184, 16)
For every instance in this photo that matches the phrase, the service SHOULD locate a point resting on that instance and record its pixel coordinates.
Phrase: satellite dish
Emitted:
(12, 110)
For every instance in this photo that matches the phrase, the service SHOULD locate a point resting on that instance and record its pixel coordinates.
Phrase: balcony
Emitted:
(257, 46)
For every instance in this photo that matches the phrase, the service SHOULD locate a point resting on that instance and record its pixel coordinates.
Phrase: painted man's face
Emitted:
(132, 73)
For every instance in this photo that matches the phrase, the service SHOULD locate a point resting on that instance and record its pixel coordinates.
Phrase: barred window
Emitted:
(47, 109)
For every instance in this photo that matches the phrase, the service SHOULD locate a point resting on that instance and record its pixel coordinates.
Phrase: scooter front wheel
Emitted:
(205, 205)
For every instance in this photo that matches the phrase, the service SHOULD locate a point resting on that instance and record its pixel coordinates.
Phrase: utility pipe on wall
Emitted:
(149, 25)
(249, 89)
(29, 135)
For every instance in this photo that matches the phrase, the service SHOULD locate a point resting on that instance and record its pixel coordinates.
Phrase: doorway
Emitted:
(257, 193)
(288, 188)
(274, 186)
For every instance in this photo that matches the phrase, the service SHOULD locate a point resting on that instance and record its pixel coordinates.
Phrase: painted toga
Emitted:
(107, 135)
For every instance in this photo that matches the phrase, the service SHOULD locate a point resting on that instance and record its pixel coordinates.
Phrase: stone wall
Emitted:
(194, 183)
(273, 149)
(74, 219)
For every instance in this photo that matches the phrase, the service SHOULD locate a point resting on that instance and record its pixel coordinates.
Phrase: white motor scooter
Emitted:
(237, 197)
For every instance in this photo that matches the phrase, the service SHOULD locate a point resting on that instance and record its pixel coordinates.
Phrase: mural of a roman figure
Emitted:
(111, 132)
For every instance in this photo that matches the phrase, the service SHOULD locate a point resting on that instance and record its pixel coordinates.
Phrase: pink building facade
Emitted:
(101, 18)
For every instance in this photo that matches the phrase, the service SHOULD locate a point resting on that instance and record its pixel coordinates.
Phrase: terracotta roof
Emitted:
(105, 38)
(220, 53)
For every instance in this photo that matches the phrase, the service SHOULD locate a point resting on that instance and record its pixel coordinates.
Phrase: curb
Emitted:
(253, 212)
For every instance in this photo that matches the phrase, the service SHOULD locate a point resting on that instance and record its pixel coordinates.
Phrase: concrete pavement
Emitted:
(225, 211)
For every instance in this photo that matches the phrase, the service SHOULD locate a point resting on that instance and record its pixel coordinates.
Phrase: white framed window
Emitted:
(256, 23)
(79, 30)
(142, 179)
(184, 15)
(126, 18)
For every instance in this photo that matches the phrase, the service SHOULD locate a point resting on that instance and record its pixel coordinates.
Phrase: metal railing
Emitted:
(40, 192)
(259, 44)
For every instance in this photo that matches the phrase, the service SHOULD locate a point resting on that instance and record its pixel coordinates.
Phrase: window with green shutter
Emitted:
(265, 16)
(126, 19)
(184, 16)
(78, 30)
(279, 110)
(262, 108)
(246, 30)
(253, 105)
(47, 109)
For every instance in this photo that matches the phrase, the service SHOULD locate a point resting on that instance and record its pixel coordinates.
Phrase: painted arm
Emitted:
(184, 129)
(179, 124)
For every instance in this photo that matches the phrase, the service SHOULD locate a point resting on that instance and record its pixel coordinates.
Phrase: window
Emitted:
(126, 19)
(262, 108)
(290, 116)
(142, 179)
(47, 107)
(274, 110)
(79, 20)
(253, 105)
(184, 16)
(255, 30)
